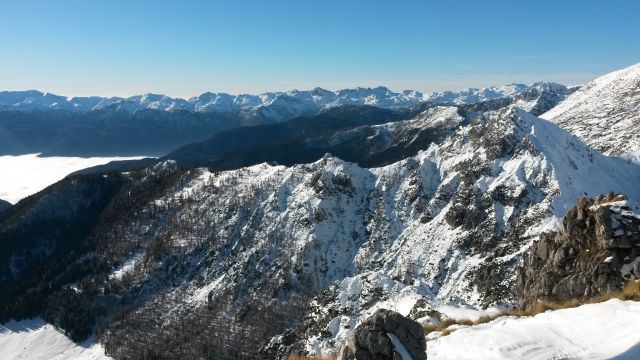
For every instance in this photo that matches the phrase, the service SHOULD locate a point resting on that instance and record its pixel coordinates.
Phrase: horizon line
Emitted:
(278, 92)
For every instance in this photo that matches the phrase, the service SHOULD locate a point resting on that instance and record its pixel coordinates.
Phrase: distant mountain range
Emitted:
(276, 106)
(153, 125)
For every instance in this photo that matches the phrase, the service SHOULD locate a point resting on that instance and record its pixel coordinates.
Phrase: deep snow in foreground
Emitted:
(36, 340)
(609, 330)
(24, 175)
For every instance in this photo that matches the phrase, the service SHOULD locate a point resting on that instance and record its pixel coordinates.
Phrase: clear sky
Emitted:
(183, 48)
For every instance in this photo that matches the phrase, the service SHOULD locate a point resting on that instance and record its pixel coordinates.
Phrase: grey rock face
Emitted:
(594, 253)
(370, 340)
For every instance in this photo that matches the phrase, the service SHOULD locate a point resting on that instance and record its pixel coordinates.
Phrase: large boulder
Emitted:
(374, 338)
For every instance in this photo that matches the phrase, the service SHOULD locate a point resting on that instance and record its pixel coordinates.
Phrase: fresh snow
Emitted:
(609, 330)
(399, 347)
(574, 170)
(36, 340)
(466, 312)
(633, 156)
(128, 266)
(605, 113)
(24, 175)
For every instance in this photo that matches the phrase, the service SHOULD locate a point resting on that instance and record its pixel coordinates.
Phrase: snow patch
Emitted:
(398, 347)
(36, 340)
(126, 267)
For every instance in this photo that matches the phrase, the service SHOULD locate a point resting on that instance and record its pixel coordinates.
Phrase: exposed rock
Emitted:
(422, 309)
(595, 251)
(279, 345)
(371, 339)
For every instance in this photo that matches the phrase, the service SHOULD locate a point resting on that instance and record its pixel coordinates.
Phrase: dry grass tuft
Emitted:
(631, 291)
(331, 356)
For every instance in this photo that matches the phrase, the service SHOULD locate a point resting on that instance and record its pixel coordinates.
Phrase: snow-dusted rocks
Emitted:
(474, 95)
(605, 113)
(386, 335)
(541, 97)
(594, 253)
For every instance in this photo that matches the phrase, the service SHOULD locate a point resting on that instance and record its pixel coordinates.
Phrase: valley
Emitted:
(25, 175)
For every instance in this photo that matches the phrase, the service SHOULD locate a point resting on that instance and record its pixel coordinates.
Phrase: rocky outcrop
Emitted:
(596, 250)
(385, 336)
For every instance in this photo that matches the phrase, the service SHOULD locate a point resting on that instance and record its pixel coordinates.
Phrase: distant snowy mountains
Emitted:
(276, 106)
(154, 125)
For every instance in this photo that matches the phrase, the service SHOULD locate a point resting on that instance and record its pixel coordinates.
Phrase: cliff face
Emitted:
(595, 252)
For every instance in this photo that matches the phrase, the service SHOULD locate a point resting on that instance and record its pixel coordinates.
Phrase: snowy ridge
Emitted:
(605, 113)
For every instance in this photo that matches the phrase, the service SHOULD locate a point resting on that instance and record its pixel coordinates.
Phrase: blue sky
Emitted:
(183, 48)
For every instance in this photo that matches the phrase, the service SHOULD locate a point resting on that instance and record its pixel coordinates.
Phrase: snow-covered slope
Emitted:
(605, 113)
(275, 106)
(36, 340)
(609, 330)
(479, 198)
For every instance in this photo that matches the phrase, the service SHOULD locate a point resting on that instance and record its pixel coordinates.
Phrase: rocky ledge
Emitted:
(595, 252)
